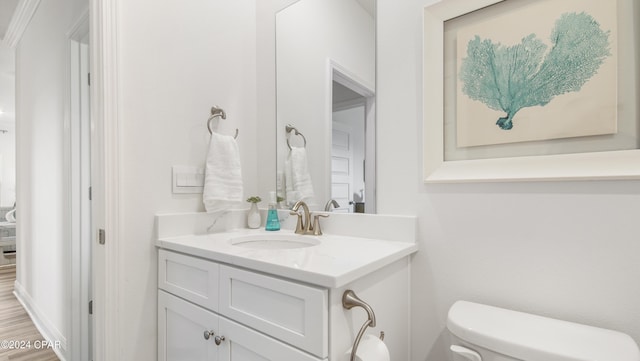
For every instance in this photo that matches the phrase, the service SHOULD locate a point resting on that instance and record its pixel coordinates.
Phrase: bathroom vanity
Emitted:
(257, 295)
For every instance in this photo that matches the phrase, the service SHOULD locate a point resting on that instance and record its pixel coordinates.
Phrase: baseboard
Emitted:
(43, 324)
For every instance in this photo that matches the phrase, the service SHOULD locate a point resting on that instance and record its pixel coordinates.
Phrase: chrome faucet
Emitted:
(304, 225)
(331, 202)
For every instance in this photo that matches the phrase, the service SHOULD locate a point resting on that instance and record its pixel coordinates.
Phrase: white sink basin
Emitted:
(275, 241)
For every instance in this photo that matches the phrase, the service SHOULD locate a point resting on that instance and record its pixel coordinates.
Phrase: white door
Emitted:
(342, 167)
(185, 330)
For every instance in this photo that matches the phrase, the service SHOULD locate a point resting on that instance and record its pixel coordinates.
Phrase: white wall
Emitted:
(7, 164)
(7, 122)
(41, 103)
(266, 95)
(175, 61)
(567, 250)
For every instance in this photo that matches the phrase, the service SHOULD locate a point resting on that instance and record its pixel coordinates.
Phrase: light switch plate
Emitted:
(187, 179)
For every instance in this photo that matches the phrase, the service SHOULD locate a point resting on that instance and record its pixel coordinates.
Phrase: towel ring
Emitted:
(349, 301)
(216, 111)
(290, 128)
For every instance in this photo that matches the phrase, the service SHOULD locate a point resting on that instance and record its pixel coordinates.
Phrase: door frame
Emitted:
(105, 175)
(340, 74)
(77, 173)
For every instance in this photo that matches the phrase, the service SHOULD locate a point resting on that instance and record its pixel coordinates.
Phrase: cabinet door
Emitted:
(181, 330)
(244, 344)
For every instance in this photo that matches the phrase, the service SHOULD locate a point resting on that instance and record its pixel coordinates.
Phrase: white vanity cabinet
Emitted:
(221, 300)
(212, 311)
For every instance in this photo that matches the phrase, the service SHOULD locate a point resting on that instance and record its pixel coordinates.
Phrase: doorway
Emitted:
(352, 144)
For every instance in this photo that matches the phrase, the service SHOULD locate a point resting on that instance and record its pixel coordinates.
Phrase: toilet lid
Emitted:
(535, 338)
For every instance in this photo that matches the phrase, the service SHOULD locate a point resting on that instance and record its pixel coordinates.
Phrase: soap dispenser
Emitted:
(273, 223)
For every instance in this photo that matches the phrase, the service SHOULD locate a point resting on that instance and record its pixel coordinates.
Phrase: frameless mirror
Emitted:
(325, 76)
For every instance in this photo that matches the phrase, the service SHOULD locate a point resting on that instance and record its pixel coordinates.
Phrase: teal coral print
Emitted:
(528, 74)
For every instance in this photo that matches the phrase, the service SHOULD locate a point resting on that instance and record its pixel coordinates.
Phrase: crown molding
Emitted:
(19, 21)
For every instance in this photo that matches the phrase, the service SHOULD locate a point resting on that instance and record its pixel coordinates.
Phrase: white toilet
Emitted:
(486, 333)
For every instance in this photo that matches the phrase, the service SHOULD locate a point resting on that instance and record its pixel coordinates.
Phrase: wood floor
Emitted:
(16, 328)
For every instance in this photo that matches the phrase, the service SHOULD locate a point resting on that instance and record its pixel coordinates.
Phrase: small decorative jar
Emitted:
(253, 215)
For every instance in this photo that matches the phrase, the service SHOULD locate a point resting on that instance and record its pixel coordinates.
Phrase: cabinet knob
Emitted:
(219, 339)
(208, 334)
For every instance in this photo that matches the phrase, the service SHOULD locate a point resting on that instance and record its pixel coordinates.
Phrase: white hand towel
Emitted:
(223, 176)
(297, 177)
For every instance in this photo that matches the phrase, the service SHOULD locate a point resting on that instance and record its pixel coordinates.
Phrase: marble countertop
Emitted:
(336, 261)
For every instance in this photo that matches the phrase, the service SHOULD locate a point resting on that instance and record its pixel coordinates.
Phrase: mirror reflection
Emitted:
(325, 75)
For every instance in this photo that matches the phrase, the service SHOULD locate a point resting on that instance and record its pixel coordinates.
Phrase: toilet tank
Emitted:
(523, 336)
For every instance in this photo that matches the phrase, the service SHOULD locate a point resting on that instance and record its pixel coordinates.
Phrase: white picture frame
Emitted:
(612, 165)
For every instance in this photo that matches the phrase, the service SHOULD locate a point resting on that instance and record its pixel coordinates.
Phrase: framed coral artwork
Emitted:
(531, 90)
